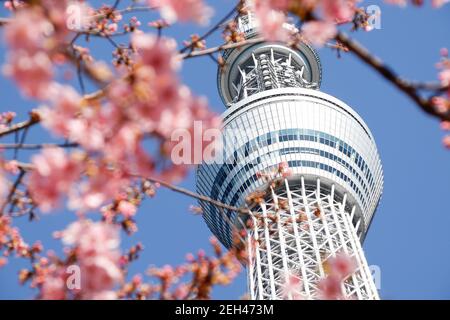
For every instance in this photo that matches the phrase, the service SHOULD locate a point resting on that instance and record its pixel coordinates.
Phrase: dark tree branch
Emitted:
(410, 89)
(20, 126)
(16, 146)
(196, 195)
(222, 47)
(12, 191)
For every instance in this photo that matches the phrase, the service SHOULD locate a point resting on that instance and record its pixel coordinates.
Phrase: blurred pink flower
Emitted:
(28, 31)
(341, 266)
(33, 72)
(101, 295)
(444, 77)
(53, 288)
(401, 3)
(127, 208)
(98, 255)
(330, 288)
(65, 102)
(183, 10)
(446, 141)
(292, 287)
(339, 11)
(55, 173)
(319, 32)
(271, 22)
(103, 183)
(12, 166)
(158, 53)
(439, 3)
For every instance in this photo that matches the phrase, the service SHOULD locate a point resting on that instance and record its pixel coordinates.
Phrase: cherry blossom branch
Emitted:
(129, 9)
(15, 146)
(212, 30)
(28, 166)
(409, 88)
(196, 195)
(34, 119)
(206, 52)
(222, 47)
(12, 191)
(4, 21)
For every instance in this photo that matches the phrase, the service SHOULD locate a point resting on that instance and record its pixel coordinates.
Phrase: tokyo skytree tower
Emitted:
(276, 114)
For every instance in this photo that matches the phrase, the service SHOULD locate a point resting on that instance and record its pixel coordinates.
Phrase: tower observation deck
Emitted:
(276, 114)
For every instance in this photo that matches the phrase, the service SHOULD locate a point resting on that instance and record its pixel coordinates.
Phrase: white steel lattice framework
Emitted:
(291, 238)
(275, 114)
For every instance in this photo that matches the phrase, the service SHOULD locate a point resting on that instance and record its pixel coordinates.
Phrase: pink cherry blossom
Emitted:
(441, 104)
(28, 31)
(330, 288)
(183, 10)
(445, 125)
(292, 287)
(103, 183)
(444, 77)
(439, 3)
(55, 173)
(101, 272)
(401, 3)
(158, 53)
(319, 32)
(284, 169)
(339, 11)
(65, 102)
(341, 266)
(98, 255)
(63, 14)
(446, 141)
(53, 288)
(101, 295)
(271, 22)
(127, 208)
(33, 72)
(87, 133)
(12, 166)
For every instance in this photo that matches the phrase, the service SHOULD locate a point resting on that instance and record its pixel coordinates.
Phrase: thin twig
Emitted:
(225, 46)
(80, 76)
(116, 4)
(130, 9)
(207, 52)
(12, 191)
(112, 42)
(244, 211)
(22, 141)
(18, 146)
(19, 126)
(195, 195)
(212, 30)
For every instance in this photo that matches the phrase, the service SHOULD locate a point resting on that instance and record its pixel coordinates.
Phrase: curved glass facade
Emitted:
(318, 135)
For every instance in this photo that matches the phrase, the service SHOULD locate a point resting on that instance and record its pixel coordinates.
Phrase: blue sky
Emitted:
(409, 237)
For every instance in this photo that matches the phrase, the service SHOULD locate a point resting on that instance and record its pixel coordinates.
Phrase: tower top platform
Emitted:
(265, 66)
